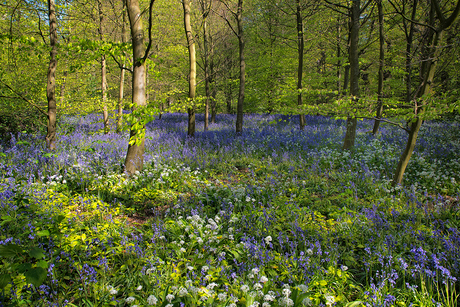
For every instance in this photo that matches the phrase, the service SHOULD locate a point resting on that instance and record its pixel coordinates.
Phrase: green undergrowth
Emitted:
(252, 232)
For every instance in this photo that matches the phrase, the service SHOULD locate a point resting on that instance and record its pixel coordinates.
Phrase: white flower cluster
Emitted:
(152, 300)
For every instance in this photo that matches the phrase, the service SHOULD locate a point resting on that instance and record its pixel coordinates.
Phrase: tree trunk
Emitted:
(212, 81)
(350, 134)
(425, 89)
(62, 90)
(135, 155)
(239, 108)
(124, 39)
(228, 98)
(409, 42)
(206, 75)
(339, 62)
(120, 100)
(381, 63)
(103, 71)
(192, 75)
(430, 56)
(51, 84)
(300, 49)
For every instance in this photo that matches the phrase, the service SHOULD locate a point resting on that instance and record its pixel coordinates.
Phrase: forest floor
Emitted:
(274, 217)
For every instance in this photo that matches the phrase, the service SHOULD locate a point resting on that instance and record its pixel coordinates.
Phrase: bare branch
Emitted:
(338, 5)
(150, 32)
(449, 21)
(388, 121)
(409, 19)
(121, 66)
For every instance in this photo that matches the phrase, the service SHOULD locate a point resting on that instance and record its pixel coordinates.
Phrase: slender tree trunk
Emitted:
(212, 81)
(339, 61)
(300, 49)
(51, 84)
(381, 64)
(103, 71)
(350, 134)
(206, 75)
(135, 155)
(228, 89)
(228, 98)
(346, 79)
(124, 39)
(62, 90)
(409, 42)
(147, 94)
(239, 108)
(192, 58)
(120, 100)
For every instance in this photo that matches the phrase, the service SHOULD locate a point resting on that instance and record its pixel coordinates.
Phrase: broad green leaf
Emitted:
(10, 250)
(5, 279)
(37, 253)
(24, 267)
(42, 264)
(36, 276)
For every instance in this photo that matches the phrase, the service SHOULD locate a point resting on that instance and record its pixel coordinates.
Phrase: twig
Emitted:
(388, 122)
(25, 99)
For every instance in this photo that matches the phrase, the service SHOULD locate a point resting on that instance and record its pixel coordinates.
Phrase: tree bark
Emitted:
(124, 39)
(300, 49)
(239, 108)
(135, 155)
(378, 116)
(105, 112)
(350, 134)
(409, 41)
(62, 90)
(192, 59)
(51, 84)
(339, 61)
(206, 75)
(228, 98)
(212, 81)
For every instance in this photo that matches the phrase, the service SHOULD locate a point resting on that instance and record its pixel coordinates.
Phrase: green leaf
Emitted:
(42, 264)
(36, 276)
(59, 218)
(37, 253)
(43, 233)
(22, 268)
(5, 279)
(10, 250)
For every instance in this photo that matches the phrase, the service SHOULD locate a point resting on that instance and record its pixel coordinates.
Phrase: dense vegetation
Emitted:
(290, 198)
(274, 217)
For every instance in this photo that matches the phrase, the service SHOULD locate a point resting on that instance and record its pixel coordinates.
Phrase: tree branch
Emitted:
(387, 121)
(338, 5)
(121, 66)
(449, 21)
(150, 32)
(410, 20)
(23, 98)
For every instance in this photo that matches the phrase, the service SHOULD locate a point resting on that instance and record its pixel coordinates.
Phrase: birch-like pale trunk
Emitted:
(192, 61)
(135, 156)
